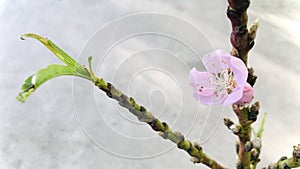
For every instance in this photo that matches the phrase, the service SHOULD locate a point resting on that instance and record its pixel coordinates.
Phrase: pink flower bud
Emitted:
(247, 94)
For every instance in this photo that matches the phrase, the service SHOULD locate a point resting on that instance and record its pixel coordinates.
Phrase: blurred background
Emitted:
(145, 48)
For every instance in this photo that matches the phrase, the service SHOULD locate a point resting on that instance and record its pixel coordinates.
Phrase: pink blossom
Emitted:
(224, 81)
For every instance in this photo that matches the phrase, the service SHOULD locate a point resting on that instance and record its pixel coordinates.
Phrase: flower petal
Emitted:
(213, 62)
(208, 100)
(200, 82)
(239, 70)
(234, 96)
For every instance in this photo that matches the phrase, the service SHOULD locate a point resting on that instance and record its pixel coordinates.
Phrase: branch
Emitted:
(75, 69)
(247, 150)
(244, 135)
(193, 149)
(287, 163)
(241, 39)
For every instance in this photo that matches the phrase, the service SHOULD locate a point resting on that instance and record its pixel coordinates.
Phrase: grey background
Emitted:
(46, 131)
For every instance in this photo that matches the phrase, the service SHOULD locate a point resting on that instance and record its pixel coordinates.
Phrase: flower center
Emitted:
(223, 81)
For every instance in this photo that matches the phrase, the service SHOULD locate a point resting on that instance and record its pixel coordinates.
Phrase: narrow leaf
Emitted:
(262, 125)
(63, 56)
(43, 75)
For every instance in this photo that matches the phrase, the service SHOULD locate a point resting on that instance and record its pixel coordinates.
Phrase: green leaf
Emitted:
(63, 56)
(262, 125)
(43, 75)
(72, 68)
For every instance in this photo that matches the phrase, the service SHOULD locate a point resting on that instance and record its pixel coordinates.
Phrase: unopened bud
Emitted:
(256, 143)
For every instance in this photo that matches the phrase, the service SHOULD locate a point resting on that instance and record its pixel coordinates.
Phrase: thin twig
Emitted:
(194, 149)
(287, 163)
(241, 39)
(244, 155)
